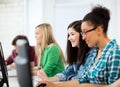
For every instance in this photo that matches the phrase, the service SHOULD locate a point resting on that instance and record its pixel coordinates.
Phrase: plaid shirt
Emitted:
(107, 69)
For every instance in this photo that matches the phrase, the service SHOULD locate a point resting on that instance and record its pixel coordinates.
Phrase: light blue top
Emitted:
(75, 70)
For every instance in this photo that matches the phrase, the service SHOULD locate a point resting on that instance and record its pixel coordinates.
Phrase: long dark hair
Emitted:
(75, 54)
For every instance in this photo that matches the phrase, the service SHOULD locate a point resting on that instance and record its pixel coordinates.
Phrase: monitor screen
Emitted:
(3, 68)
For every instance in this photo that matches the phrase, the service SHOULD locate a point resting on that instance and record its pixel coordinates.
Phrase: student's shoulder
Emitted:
(93, 49)
(14, 51)
(53, 46)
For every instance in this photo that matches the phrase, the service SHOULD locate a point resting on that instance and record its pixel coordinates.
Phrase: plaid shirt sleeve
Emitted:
(107, 68)
(114, 66)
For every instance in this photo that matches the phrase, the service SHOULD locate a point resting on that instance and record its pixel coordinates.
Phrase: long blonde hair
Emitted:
(48, 38)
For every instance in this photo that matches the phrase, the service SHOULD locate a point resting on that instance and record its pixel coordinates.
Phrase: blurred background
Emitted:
(21, 17)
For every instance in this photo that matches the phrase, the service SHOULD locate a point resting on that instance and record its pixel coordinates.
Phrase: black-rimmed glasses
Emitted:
(84, 33)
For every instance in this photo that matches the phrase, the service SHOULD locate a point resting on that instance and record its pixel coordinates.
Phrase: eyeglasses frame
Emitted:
(84, 33)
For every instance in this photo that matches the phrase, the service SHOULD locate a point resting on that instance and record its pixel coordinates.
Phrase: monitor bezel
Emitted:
(3, 67)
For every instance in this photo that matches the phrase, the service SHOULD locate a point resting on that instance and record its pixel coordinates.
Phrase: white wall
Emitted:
(21, 17)
(60, 13)
(67, 12)
(38, 12)
(64, 15)
(12, 22)
(34, 16)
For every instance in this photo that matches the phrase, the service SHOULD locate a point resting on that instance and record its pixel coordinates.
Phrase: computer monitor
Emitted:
(23, 65)
(3, 68)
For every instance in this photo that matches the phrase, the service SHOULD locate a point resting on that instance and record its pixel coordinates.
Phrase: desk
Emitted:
(13, 80)
(12, 77)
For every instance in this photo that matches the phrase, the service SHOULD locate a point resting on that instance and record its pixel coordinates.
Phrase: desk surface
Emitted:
(13, 80)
